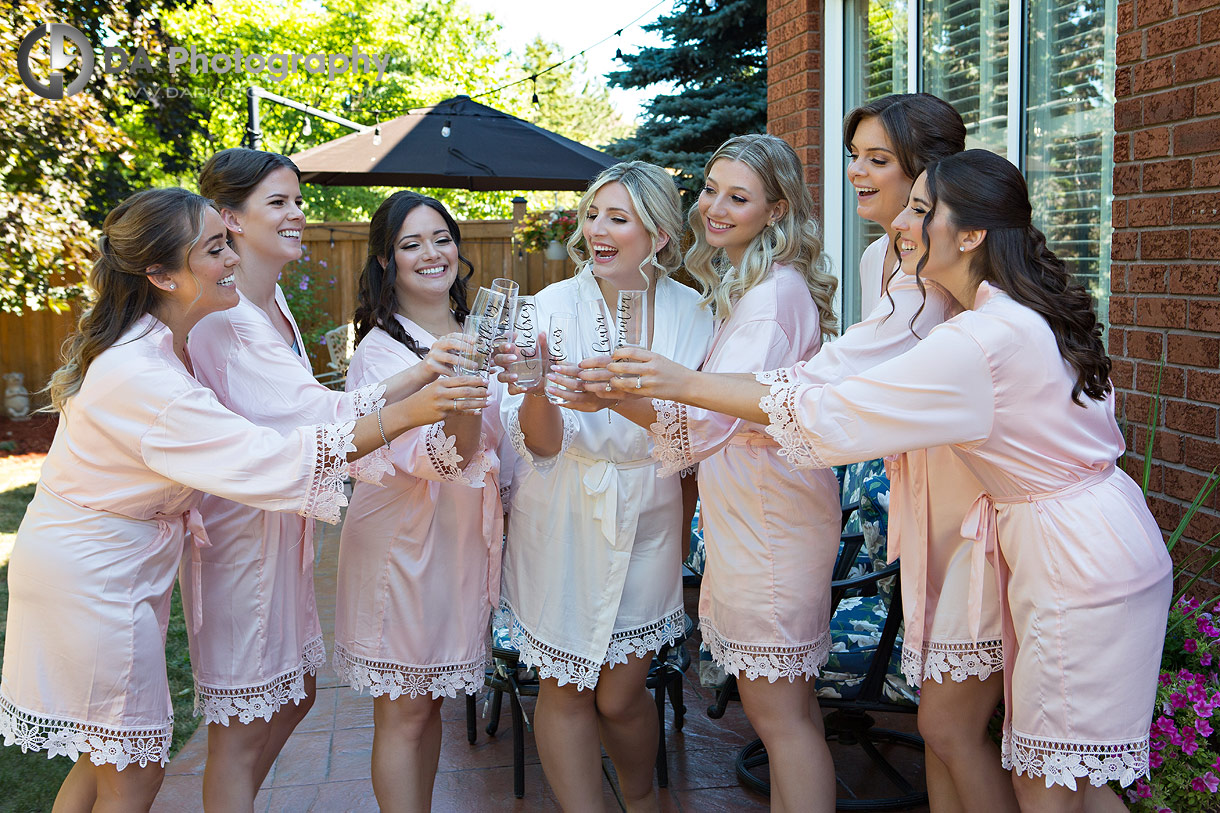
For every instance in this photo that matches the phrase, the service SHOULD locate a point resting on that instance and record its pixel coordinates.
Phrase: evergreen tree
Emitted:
(716, 62)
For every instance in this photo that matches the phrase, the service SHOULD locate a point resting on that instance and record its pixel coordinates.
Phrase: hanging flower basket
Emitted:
(542, 231)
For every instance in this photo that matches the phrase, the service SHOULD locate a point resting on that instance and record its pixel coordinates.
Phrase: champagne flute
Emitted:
(529, 368)
(474, 356)
(489, 304)
(632, 319)
(508, 312)
(563, 345)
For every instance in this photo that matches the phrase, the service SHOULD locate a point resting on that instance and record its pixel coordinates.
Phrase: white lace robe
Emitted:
(592, 569)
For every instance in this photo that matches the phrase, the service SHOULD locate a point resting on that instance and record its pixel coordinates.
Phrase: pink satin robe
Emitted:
(772, 534)
(1081, 565)
(419, 557)
(95, 559)
(930, 491)
(254, 630)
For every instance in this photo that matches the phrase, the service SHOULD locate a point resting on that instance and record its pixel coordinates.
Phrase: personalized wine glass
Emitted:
(490, 304)
(508, 312)
(479, 332)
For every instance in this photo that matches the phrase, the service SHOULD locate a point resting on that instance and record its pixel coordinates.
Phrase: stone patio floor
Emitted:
(325, 764)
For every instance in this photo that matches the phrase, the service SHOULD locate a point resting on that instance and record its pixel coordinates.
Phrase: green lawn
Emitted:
(28, 782)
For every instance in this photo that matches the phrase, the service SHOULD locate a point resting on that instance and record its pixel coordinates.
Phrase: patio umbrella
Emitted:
(458, 144)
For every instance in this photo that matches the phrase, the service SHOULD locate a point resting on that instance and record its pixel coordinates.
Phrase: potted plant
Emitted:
(546, 231)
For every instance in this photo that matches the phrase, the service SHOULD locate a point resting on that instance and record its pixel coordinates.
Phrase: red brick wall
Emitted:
(1165, 276)
(794, 83)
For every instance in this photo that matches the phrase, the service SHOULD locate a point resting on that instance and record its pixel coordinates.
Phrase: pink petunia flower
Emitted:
(1191, 645)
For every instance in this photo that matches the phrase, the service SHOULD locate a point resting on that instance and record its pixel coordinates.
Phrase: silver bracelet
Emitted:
(381, 428)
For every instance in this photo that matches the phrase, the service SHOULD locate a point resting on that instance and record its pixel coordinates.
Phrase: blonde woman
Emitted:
(772, 534)
(592, 577)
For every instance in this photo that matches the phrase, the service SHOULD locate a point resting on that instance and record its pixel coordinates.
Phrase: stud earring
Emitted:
(961, 248)
(173, 286)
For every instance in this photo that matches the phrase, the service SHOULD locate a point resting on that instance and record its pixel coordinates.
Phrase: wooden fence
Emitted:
(30, 342)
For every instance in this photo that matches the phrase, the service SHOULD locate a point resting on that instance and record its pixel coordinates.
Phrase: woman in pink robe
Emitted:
(1017, 385)
(419, 559)
(139, 437)
(772, 534)
(254, 635)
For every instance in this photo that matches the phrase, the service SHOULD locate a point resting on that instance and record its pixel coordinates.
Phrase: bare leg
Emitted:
(128, 790)
(964, 770)
(404, 752)
(627, 719)
(79, 791)
(565, 728)
(283, 723)
(1036, 797)
(229, 784)
(782, 714)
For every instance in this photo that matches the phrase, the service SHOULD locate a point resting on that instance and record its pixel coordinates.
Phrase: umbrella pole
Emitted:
(253, 134)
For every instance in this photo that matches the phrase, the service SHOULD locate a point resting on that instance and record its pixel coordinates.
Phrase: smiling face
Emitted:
(734, 207)
(207, 284)
(881, 185)
(270, 221)
(945, 260)
(425, 257)
(617, 240)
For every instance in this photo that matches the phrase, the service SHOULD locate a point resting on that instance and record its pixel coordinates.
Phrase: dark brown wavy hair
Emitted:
(376, 299)
(981, 190)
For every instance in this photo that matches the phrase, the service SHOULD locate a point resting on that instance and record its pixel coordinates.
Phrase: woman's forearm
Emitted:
(542, 426)
(735, 394)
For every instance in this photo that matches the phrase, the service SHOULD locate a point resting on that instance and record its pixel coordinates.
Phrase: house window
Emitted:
(1058, 129)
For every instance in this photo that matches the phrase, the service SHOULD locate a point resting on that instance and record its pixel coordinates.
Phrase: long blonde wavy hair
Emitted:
(655, 197)
(793, 239)
(155, 227)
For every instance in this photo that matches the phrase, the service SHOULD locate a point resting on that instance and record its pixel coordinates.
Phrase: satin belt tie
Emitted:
(601, 482)
(980, 526)
(192, 523)
(753, 441)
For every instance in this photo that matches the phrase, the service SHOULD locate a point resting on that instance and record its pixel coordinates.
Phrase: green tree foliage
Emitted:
(64, 163)
(716, 61)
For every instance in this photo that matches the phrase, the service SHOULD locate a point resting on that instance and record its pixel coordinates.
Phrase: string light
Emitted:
(307, 130)
(535, 100)
(446, 129)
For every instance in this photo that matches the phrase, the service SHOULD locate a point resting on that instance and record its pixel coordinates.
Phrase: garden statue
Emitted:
(16, 396)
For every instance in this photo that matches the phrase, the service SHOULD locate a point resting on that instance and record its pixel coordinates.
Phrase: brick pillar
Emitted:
(1165, 276)
(794, 83)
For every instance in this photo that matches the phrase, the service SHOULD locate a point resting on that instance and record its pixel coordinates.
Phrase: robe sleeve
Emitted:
(939, 393)
(683, 435)
(426, 452)
(197, 442)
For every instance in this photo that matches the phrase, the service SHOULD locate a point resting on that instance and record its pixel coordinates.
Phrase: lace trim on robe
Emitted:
(217, 705)
(326, 497)
(517, 437)
(770, 661)
(443, 454)
(69, 738)
(376, 464)
(1062, 763)
(785, 426)
(399, 680)
(671, 439)
(959, 660)
(564, 667)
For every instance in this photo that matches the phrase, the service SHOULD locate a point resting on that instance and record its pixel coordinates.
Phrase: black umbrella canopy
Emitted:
(458, 144)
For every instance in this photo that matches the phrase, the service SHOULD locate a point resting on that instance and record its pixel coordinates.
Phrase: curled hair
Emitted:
(376, 297)
(793, 239)
(981, 190)
(150, 232)
(230, 175)
(654, 195)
